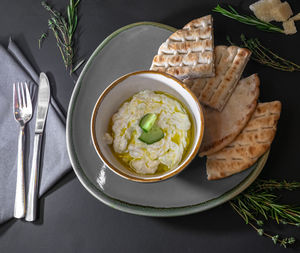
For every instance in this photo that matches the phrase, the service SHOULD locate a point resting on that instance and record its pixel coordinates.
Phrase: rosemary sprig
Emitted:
(249, 20)
(270, 185)
(258, 201)
(275, 238)
(265, 56)
(42, 38)
(63, 30)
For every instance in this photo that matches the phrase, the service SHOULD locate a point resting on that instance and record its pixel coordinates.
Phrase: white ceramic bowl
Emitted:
(122, 89)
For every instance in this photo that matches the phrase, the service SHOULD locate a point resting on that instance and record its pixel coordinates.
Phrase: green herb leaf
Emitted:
(275, 238)
(71, 4)
(265, 56)
(63, 32)
(69, 14)
(258, 202)
(260, 232)
(42, 38)
(249, 20)
(291, 240)
(75, 24)
(260, 222)
(77, 3)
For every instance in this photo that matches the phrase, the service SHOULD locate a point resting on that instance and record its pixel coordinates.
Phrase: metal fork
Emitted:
(22, 113)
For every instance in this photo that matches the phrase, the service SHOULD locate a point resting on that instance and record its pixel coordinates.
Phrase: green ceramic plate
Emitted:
(128, 49)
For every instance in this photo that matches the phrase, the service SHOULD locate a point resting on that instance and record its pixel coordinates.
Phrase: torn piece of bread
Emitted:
(215, 91)
(296, 17)
(281, 12)
(221, 128)
(289, 27)
(189, 52)
(251, 143)
(261, 9)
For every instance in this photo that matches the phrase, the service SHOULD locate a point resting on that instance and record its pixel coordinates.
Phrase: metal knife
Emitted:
(41, 115)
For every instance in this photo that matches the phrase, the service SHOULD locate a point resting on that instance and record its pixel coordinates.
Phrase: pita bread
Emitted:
(215, 91)
(189, 52)
(251, 143)
(221, 128)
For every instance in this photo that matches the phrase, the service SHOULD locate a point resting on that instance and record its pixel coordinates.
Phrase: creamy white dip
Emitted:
(172, 118)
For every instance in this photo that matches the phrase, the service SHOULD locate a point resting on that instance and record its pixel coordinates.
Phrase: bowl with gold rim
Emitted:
(147, 126)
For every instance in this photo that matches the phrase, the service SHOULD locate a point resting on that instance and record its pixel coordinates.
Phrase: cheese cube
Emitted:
(262, 9)
(289, 27)
(281, 12)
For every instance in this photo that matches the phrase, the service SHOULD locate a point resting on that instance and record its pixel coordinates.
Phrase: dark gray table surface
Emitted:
(71, 220)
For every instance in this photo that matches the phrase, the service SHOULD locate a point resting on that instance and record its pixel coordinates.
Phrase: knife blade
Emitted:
(41, 115)
(42, 103)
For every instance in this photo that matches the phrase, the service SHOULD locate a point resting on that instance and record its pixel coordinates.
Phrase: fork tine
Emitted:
(23, 95)
(16, 103)
(28, 99)
(19, 95)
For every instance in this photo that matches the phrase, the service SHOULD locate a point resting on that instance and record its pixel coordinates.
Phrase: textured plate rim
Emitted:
(130, 207)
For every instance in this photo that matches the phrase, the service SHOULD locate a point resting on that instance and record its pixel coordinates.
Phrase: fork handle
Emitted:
(34, 180)
(19, 209)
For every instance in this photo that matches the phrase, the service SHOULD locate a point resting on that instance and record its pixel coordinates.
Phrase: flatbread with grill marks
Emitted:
(215, 91)
(189, 52)
(251, 143)
(221, 128)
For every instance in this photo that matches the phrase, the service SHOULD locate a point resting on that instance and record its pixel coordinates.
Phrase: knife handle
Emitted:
(34, 180)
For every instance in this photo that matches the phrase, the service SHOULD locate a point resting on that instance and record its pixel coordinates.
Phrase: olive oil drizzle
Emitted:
(126, 158)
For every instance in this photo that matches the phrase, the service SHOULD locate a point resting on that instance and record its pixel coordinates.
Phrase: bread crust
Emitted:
(221, 128)
(215, 91)
(189, 52)
(251, 143)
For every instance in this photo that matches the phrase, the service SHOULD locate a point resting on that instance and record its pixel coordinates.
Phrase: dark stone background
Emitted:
(74, 221)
